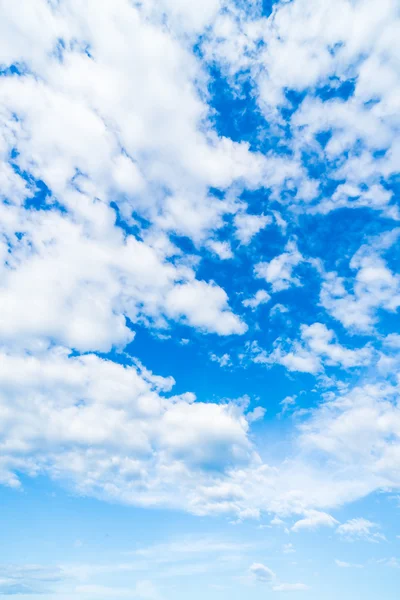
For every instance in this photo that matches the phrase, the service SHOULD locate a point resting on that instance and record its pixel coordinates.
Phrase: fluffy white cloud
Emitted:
(97, 120)
(304, 48)
(247, 225)
(320, 340)
(260, 297)
(317, 347)
(116, 432)
(367, 412)
(110, 429)
(96, 129)
(205, 306)
(297, 359)
(375, 287)
(222, 249)
(279, 271)
(392, 341)
(81, 285)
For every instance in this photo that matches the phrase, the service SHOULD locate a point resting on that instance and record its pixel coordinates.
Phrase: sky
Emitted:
(199, 299)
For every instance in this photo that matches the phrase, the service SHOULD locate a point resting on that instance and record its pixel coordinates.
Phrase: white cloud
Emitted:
(367, 412)
(313, 520)
(185, 17)
(317, 347)
(288, 549)
(287, 403)
(204, 306)
(102, 116)
(247, 226)
(303, 47)
(260, 297)
(375, 287)
(133, 139)
(278, 309)
(392, 341)
(346, 565)
(298, 359)
(81, 285)
(261, 572)
(320, 340)
(115, 432)
(351, 196)
(97, 129)
(222, 249)
(256, 414)
(264, 574)
(360, 529)
(109, 429)
(392, 562)
(223, 361)
(279, 271)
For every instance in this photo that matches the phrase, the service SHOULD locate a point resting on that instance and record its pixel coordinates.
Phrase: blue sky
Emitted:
(199, 299)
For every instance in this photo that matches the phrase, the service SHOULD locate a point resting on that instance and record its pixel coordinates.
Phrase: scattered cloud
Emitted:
(223, 361)
(279, 271)
(260, 297)
(346, 565)
(247, 226)
(288, 548)
(360, 529)
(313, 520)
(262, 572)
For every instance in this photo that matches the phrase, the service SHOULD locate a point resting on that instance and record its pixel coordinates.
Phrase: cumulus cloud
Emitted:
(247, 226)
(348, 84)
(222, 249)
(260, 297)
(375, 287)
(110, 429)
(93, 136)
(279, 271)
(316, 348)
(205, 306)
(367, 412)
(82, 287)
